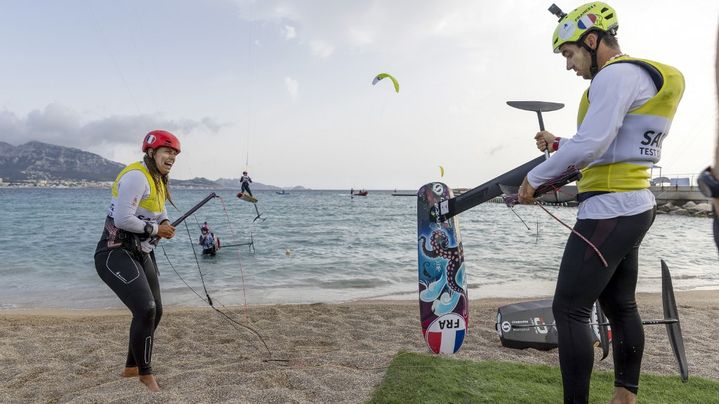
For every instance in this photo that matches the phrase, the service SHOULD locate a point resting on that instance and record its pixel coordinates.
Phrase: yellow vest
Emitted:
(155, 202)
(626, 163)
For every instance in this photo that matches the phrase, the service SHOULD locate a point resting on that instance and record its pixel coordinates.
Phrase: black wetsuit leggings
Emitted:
(134, 279)
(584, 279)
(246, 188)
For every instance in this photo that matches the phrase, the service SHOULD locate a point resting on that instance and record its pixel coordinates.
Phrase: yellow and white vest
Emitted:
(151, 206)
(638, 145)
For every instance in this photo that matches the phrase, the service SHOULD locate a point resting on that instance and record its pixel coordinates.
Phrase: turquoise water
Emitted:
(315, 246)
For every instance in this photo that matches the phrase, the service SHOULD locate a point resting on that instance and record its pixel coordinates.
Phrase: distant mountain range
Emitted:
(35, 161)
(42, 161)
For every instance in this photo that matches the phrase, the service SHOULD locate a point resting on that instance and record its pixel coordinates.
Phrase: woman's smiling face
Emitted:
(164, 159)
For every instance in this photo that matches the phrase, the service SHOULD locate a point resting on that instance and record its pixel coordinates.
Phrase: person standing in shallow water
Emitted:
(207, 241)
(623, 119)
(125, 258)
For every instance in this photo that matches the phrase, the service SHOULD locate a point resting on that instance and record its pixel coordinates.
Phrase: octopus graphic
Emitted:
(452, 278)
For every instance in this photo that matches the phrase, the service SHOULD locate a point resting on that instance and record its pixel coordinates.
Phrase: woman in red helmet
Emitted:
(124, 257)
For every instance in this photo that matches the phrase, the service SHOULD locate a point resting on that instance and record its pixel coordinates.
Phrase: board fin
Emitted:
(604, 339)
(674, 330)
(258, 214)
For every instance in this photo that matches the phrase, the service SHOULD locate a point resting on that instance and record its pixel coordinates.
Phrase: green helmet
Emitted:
(595, 16)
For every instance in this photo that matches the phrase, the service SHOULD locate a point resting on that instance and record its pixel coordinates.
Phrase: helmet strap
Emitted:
(594, 68)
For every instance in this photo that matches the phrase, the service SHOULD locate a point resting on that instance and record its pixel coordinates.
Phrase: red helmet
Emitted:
(160, 138)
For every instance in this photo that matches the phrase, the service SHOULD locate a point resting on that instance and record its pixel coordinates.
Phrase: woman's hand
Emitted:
(166, 230)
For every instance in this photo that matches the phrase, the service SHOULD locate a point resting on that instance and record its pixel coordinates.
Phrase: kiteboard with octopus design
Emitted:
(443, 305)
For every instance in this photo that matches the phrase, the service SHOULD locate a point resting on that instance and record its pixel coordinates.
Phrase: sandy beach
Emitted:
(318, 353)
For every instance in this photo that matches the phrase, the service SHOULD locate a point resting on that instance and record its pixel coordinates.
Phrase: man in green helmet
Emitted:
(623, 118)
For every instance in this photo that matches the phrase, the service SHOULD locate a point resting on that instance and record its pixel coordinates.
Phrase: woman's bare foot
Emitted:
(150, 382)
(130, 372)
(623, 396)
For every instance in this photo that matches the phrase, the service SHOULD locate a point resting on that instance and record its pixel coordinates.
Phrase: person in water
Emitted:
(624, 116)
(124, 257)
(208, 241)
(245, 180)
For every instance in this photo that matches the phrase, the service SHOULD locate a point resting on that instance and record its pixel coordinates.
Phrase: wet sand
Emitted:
(316, 353)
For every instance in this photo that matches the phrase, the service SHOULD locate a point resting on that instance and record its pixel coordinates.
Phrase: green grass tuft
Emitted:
(419, 378)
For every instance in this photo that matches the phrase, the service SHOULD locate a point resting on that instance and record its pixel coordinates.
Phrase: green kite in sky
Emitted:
(381, 76)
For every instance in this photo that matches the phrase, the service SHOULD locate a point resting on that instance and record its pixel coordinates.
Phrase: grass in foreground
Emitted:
(418, 378)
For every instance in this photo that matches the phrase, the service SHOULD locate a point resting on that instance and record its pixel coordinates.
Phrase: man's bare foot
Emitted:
(623, 396)
(130, 372)
(150, 382)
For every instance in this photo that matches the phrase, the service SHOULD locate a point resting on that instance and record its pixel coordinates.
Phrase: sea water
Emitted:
(313, 246)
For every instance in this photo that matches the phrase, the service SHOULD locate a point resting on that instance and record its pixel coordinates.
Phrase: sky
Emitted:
(283, 88)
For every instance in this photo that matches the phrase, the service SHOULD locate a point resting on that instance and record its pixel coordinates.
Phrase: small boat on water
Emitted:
(283, 192)
(363, 192)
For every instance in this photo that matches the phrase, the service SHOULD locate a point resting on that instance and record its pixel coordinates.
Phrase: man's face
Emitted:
(578, 59)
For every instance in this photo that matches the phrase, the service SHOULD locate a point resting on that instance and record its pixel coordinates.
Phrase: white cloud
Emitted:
(321, 49)
(292, 87)
(361, 37)
(385, 26)
(289, 32)
(60, 125)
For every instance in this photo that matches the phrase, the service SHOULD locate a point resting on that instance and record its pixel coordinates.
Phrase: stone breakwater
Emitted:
(684, 208)
(680, 207)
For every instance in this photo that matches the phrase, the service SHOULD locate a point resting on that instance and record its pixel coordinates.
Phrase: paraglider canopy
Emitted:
(381, 76)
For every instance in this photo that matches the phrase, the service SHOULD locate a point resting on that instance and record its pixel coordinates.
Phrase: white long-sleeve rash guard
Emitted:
(125, 210)
(617, 89)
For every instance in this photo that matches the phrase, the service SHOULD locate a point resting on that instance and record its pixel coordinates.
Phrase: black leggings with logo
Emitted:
(582, 280)
(134, 279)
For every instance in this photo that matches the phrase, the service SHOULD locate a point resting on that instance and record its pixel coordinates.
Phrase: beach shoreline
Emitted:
(297, 352)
